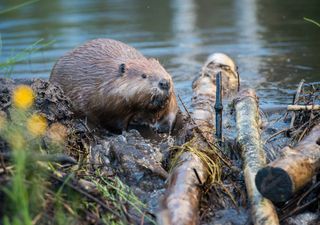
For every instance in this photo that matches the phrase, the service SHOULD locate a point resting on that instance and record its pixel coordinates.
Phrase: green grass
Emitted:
(31, 196)
(312, 21)
(25, 188)
(15, 7)
(120, 194)
(24, 191)
(7, 65)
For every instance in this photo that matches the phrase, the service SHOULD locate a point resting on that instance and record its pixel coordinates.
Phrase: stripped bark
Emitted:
(246, 105)
(303, 107)
(282, 178)
(181, 201)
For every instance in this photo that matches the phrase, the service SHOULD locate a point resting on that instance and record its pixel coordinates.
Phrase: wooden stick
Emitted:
(247, 113)
(58, 157)
(212, 145)
(295, 101)
(303, 107)
(282, 178)
(219, 107)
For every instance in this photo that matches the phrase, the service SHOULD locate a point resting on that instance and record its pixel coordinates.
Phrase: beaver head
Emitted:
(150, 87)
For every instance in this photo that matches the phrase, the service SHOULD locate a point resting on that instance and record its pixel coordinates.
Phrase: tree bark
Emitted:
(248, 121)
(181, 201)
(282, 178)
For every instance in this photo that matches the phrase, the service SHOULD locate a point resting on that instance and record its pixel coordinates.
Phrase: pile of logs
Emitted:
(266, 184)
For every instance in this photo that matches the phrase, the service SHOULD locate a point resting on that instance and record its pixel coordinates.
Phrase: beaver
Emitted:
(112, 84)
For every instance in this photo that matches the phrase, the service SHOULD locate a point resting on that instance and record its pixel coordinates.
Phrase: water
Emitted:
(272, 44)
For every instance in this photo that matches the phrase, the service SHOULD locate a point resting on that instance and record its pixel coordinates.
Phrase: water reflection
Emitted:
(274, 47)
(184, 31)
(254, 51)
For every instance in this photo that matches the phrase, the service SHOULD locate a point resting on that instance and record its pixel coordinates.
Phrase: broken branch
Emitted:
(303, 107)
(282, 178)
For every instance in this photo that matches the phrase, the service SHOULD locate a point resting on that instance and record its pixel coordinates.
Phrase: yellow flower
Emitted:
(23, 97)
(37, 125)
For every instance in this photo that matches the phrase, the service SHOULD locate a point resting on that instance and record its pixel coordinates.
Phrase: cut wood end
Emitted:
(274, 183)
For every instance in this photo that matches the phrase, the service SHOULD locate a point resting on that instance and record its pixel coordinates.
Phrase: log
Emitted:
(247, 115)
(181, 201)
(282, 178)
(303, 107)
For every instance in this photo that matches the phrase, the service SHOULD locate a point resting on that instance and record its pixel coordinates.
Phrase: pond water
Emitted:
(272, 44)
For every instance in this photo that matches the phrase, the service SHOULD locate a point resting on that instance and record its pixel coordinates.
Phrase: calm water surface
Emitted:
(272, 44)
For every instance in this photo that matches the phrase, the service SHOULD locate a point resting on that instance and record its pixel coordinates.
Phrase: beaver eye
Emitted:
(122, 68)
(144, 76)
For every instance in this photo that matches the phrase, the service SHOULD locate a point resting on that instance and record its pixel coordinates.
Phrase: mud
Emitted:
(141, 162)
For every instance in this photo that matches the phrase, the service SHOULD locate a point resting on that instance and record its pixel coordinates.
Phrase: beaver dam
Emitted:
(55, 169)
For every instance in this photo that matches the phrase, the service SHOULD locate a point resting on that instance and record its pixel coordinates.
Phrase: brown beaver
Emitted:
(113, 84)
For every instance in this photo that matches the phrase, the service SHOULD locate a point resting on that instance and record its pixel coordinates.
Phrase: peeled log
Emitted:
(283, 177)
(181, 201)
(247, 113)
(180, 204)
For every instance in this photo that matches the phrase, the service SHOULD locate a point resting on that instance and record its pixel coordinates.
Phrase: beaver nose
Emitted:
(164, 84)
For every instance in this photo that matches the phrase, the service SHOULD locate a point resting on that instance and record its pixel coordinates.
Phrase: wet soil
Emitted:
(141, 162)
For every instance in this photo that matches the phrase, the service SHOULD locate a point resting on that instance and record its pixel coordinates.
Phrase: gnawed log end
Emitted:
(274, 183)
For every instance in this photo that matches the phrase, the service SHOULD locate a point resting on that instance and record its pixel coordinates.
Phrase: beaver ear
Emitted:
(122, 68)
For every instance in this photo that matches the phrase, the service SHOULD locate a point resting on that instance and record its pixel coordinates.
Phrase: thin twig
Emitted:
(315, 186)
(299, 209)
(87, 195)
(59, 158)
(197, 175)
(142, 218)
(276, 134)
(3, 165)
(295, 101)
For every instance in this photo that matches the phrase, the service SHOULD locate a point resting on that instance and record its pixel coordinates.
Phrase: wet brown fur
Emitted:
(107, 93)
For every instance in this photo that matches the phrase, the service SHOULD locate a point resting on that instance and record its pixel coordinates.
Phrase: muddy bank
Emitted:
(141, 163)
(128, 155)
